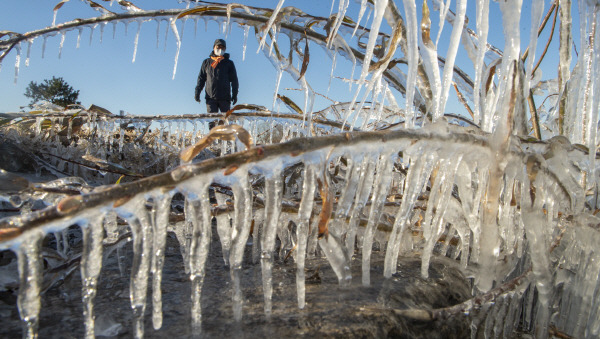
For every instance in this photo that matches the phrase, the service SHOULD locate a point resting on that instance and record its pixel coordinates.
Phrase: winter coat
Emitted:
(217, 80)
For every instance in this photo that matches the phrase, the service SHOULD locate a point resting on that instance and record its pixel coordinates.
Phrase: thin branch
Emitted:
(541, 28)
(547, 43)
(462, 100)
(535, 121)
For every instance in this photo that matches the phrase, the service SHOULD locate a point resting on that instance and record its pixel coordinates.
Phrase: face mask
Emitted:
(219, 51)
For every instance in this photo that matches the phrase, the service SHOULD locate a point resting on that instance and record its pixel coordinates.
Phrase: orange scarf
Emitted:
(216, 61)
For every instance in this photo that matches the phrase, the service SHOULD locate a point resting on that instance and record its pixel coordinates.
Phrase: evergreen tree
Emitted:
(55, 90)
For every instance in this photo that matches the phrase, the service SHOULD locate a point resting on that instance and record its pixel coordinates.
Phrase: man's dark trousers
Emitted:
(214, 106)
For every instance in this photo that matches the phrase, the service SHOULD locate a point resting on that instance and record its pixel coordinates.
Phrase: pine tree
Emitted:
(55, 90)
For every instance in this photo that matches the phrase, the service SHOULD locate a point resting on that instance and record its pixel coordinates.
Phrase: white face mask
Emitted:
(219, 51)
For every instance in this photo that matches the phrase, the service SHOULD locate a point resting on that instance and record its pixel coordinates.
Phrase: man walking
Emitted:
(220, 78)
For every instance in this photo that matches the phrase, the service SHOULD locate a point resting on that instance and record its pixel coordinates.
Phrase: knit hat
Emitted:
(220, 42)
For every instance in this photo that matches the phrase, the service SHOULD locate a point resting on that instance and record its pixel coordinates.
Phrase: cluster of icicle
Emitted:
(443, 181)
(143, 145)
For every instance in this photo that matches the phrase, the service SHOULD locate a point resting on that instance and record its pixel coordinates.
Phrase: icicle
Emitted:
(135, 41)
(333, 64)
(163, 210)
(141, 229)
(343, 6)
(157, 33)
(178, 40)
(459, 20)
(92, 33)
(482, 22)
(380, 6)
(121, 139)
(79, 31)
(91, 264)
(279, 74)
(239, 235)
(418, 173)
(166, 36)
(363, 7)
(44, 46)
(246, 30)
(537, 8)
(17, 62)
(334, 250)
(363, 190)
(29, 43)
(413, 59)
(224, 227)
(440, 194)
(62, 42)
(381, 187)
(268, 26)
(443, 9)
(304, 212)
(273, 192)
(201, 236)
(30, 281)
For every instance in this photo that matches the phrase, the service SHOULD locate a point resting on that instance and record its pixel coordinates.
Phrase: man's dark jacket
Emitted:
(217, 80)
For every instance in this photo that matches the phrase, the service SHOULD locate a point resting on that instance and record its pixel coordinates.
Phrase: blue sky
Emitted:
(105, 75)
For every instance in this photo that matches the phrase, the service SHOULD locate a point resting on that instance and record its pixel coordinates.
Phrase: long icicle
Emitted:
(163, 210)
(91, 264)
(306, 205)
(273, 191)
(30, 277)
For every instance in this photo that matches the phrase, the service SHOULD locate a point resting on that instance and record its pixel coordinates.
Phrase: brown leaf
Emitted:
(426, 26)
(129, 6)
(229, 170)
(396, 37)
(245, 106)
(326, 209)
(60, 4)
(122, 201)
(289, 103)
(69, 204)
(221, 132)
(306, 60)
(199, 10)
(9, 233)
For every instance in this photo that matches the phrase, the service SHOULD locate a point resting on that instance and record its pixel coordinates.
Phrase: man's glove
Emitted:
(234, 99)
(198, 100)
